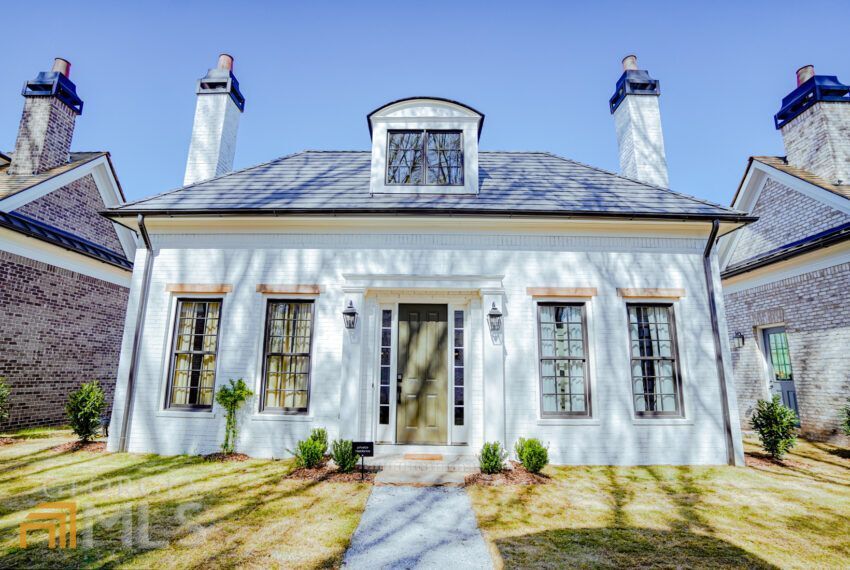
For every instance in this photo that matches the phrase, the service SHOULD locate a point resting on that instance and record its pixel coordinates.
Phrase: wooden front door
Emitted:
(422, 379)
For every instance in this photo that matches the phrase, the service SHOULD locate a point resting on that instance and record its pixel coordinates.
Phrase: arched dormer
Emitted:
(425, 145)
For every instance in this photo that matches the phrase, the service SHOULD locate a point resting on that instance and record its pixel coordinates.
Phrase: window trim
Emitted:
(677, 363)
(192, 408)
(263, 409)
(588, 413)
(425, 182)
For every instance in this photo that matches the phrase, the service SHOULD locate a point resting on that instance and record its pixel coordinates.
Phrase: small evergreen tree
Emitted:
(231, 399)
(492, 458)
(532, 454)
(845, 424)
(5, 395)
(308, 453)
(776, 426)
(320, 435)
(84, 408)
(344, 456)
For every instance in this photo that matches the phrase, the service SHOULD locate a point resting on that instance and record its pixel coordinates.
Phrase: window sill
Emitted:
(662, 421)
(568, 422)
(280, 418)
(200, 414)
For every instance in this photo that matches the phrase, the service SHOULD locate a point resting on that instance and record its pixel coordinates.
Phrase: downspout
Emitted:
(718, 348)
(137, 335)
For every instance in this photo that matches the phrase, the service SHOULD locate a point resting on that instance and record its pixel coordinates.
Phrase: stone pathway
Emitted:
(418, 527)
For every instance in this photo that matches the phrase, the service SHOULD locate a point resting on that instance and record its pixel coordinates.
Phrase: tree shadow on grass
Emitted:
(613, 547)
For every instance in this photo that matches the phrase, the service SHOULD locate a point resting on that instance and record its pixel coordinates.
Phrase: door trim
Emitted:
(386, 435)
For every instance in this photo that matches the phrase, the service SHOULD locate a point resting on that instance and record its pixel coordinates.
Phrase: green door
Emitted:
(423, 377)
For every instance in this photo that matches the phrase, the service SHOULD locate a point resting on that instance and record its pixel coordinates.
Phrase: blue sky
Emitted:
(542, 72)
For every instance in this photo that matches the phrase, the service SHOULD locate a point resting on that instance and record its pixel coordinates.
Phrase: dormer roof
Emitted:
(386, 109)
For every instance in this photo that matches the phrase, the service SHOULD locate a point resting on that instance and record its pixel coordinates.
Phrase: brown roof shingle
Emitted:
(13, 183)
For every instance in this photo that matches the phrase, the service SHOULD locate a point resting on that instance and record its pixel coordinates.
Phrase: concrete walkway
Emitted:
(418, 527)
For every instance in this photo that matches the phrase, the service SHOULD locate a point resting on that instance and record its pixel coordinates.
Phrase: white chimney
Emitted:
(637, 119)
(815, 124)
(220, 103)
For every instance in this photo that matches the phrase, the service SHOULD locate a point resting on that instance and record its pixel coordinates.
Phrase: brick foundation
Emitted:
(58, 329)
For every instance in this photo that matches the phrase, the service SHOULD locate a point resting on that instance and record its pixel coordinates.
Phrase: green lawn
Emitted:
(149, 511)
(767, 516)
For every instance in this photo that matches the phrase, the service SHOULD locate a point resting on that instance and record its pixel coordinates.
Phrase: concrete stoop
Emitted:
(422, 469)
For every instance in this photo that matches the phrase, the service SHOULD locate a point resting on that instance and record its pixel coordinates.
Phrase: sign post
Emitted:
(364, 449)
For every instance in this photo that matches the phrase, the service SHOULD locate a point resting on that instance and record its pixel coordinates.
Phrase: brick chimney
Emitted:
(219, 105)
(51, 106)
(815, 124)
(637, 119)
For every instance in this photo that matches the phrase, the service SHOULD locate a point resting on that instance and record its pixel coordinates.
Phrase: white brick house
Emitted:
(498, 295)
(786, 277)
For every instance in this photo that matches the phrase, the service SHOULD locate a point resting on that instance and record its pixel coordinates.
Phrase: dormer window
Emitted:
(424, 145)
(425, 157)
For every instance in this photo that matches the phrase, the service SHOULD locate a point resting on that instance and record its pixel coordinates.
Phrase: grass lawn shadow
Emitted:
(612, 547)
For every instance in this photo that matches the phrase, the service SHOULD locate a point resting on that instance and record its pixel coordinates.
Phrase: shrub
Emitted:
(84, 408)
(320, 435)
(231, 399)
(344, 456)
(4, 400)
(845, 424)
(776, 426)
(492, 458)
(308, 453)
(532, 454)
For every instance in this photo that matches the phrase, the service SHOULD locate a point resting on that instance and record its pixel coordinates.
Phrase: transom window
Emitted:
(564, 386)
(656, 383)
(192, 378)
(289, 338)
(424, 157)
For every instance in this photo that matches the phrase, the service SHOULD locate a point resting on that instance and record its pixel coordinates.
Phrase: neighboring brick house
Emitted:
(786, 277)
(64, 268)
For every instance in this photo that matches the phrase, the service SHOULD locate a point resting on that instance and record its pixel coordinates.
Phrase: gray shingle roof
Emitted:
(510, 182)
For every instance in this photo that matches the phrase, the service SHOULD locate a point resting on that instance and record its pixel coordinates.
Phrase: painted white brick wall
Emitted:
(213, 143)
(613, 436)
(640, 140)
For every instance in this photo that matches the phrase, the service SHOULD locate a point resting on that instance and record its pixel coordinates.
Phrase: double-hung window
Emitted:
(564, 384)
(193, 359)
(286, 356)
(417, 158)
(656, 382)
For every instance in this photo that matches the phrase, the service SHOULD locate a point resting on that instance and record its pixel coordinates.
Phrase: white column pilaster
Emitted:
(494, 368)
(352, 358)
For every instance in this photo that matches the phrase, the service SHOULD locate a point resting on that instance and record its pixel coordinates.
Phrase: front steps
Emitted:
(423, 463)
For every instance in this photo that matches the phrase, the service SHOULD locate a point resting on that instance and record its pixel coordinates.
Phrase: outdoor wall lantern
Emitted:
(494, 317)
(349, 316)
(739, 340)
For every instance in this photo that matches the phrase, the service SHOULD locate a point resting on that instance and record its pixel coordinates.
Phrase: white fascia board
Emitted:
(799, 265)
(752, 186)
(518, 225)
(36, 249)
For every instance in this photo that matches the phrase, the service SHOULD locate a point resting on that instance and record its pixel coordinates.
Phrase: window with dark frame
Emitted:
(458, 365)
(416, 158)
(193, 358)
(564, 380)
(386, 363)
(656, 382)
(286, 356)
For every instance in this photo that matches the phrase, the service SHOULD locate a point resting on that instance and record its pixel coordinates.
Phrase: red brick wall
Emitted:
(815, 310)
(57, 329)
(74, 208)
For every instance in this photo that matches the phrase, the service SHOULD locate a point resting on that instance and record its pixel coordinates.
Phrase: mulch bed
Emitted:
(91, 446)
(7, 440)
(516, 475)
(327, 472)
(226, 457)
(755, 459)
